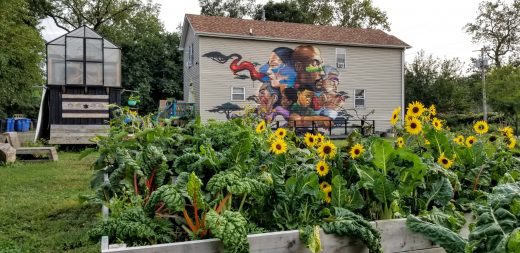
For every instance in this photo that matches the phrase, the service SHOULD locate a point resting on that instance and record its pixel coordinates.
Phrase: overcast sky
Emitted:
(435, 26)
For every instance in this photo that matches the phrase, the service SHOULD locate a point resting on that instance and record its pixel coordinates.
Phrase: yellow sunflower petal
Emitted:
(279, 146)
(327, 150)
(356, 151)
(322, 168)
(413, 126)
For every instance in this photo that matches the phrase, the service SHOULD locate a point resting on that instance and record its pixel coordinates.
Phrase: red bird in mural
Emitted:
(235, 66)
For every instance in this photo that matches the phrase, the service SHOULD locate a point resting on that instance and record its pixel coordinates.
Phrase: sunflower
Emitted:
(356, 151)
(413, 126)
(395, 116)
(481, 127)
(279, 146)
(470, 140)
(310, 140)
(319, 138)
(325, 187)
(507, 131)
(327, 150)
(432, 110)
(328, 196)
(444, 161)
(322, 168)
(280, 133)
(459, 140)
(511, 142)
(437, 124)
(415, 109)
(400, 142)
(409, 117)
(260, 127)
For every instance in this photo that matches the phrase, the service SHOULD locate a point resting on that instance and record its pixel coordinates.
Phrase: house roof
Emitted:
(292, 32)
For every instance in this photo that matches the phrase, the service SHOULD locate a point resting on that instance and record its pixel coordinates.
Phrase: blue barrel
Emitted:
(18, 125)
(26, 124)
(9, 125)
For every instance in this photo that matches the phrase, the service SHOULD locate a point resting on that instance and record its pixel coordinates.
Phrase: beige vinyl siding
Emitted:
(191, 73)
(377, 70)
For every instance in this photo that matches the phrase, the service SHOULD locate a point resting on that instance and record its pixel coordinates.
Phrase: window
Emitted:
(190, 55)
(359, 99)
(238, 94)
(341, 56)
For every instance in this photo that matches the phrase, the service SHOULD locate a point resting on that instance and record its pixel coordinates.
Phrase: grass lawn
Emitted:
(39, 207)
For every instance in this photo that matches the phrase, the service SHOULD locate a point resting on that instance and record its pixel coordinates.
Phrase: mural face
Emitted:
(296, 85)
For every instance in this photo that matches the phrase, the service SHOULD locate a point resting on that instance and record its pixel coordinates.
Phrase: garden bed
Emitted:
(395, 237)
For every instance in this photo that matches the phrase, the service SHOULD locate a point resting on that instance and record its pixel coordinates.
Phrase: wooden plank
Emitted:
(395, 237)
(71, 140)
(85, 106)
(76, 128)
(85, 115)
(200, 246)
(84, 96)
(90, 135)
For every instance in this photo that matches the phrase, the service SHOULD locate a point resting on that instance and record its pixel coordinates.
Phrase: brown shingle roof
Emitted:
(240, 28)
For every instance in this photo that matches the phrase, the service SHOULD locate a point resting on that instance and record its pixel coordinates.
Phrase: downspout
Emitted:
(402, 85)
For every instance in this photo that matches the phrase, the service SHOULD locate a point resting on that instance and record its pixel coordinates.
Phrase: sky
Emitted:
(435, 26)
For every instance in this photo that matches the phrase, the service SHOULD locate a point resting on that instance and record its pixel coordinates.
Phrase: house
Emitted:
(291, 71)
(83, 78)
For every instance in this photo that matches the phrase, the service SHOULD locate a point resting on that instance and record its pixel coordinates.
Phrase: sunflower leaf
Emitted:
(382, 151)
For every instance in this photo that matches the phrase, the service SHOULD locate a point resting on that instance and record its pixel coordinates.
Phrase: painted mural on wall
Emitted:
(295, 83)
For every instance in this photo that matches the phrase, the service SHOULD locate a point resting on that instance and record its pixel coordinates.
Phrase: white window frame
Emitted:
(233, 93)
(341, 65)
(190, 55)
(364, 97)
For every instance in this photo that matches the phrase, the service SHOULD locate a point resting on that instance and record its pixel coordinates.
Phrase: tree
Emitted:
(150, 62)
(497, 26)
(21, 55)
(349, 13)
(70, 14)
(282, 12)
(227, 109)
(440, 82)
(227, 8)
(504, 91)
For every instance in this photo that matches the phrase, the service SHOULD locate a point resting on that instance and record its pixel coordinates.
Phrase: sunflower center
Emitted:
(395, 116)
(481, 127)
(278, 146)
(261, 127)
(357, 151)
(281, 133)
(470, 141)
(322, 168)
(415, 109)
(444, 161)
(327, 149)
(311, 139)
(413, 125)
(329, 194)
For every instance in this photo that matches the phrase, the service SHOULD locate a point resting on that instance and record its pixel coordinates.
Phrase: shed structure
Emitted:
(83, 78)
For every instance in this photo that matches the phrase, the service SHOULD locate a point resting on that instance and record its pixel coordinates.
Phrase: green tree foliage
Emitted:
(21, 54)
(504, 91)
(227, 8)
(440, 82)
(349, 13)
(286, 11)
(151, 63)
(497, 26)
